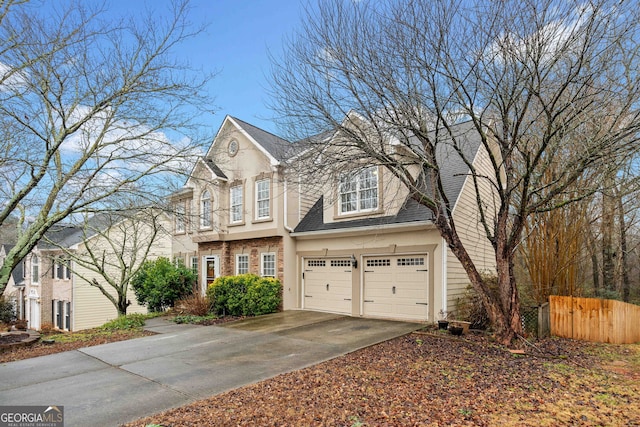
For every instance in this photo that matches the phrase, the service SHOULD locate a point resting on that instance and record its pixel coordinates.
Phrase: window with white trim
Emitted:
(194, 265)
(236, 204)
(268, 264)
(205, 209)
(179, 212)
(263, 199)
(358, 192)
(35, 269)
(242, 263)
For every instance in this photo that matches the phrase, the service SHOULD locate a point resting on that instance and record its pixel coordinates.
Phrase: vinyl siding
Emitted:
(90, 307)
(471, 232)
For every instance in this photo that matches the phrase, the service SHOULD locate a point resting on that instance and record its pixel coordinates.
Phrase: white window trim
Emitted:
(194, 264)
(180, 216)
(238, 263)
(232, 211)
(355, 176)
(258, 200)
(263, 255)
(205, 213)
(35, 264)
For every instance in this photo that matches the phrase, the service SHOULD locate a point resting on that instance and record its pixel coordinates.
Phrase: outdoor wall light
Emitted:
(354, 261)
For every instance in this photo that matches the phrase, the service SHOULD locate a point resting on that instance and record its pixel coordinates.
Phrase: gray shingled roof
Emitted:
(276, 146)
(17, 273)
(454, 172)
(411, 211)
(215, 168)
(68, 235)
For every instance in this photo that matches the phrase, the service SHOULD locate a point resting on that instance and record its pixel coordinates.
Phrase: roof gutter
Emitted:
(378, 228)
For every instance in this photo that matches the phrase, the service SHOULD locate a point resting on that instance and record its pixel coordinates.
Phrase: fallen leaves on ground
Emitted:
(431, 379)
(68, 341)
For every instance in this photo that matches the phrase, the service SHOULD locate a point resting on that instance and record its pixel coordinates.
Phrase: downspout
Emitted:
(286, 209)
(444, 275)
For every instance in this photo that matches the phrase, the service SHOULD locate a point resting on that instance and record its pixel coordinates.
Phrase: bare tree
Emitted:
(91, 108)
(530, 75)
(113, 247)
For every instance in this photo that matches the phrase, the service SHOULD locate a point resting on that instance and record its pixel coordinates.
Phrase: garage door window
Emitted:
(384, 262)
(340, 263)
(410, 261)
(316, 263)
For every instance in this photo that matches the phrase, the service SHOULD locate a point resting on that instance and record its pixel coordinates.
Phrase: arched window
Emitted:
(205, 209)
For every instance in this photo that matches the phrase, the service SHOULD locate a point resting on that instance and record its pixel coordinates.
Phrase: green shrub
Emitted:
(245, 295)
(160, 283)
(263, 296)
(126, 322)
(7, 311)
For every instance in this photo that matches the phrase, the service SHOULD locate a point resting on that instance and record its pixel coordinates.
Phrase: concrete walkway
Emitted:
(110, 384)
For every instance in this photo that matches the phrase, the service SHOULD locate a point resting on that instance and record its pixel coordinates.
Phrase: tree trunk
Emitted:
(595, 265)
(626, 282)
(123, 304)
(608, 253)
(503, 309)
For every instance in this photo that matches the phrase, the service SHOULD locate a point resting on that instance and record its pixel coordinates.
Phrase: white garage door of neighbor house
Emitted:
(327, 284)
(396, 287)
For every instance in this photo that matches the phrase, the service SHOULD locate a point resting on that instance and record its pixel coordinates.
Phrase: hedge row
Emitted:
(245, 295)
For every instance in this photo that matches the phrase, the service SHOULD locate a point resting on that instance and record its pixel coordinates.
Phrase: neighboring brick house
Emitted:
(240, 212)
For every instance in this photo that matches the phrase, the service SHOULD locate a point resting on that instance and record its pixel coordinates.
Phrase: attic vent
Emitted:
(379, 262)
(410, 261)
(340, 263)
(316, 263)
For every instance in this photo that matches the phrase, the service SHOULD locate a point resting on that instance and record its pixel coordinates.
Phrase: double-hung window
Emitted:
(358, 192)
(263, 199)
(268, 267)
(205, 209)
(236, 204)
(179, 216)
(35, 269)
(242, 263)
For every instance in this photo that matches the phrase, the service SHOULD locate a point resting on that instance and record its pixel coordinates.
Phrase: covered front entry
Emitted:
(328, 284)
(396, 287)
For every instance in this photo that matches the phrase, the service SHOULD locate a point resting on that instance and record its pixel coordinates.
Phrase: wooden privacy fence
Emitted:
(592, 319)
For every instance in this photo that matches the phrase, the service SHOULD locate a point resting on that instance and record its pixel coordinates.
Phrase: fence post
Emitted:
(544, 321)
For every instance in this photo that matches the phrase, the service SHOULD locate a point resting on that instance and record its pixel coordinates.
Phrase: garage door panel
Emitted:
(328, 285)
(396, 287)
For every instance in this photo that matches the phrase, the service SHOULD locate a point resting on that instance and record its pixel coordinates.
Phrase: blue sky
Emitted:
(236, 43)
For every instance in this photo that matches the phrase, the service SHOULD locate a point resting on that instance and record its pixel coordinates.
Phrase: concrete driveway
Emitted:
(110, 384)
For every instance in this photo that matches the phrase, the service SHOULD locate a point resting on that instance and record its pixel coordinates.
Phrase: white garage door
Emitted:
(327, 285)
(396, 287)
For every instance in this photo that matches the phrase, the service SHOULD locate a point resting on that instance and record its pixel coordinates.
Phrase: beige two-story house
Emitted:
(237, 210)
(358, 246)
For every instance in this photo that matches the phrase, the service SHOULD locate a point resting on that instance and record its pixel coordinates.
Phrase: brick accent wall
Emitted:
(254, 247)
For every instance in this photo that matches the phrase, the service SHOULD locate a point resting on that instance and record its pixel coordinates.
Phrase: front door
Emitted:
(211, 270)
(34, 313)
